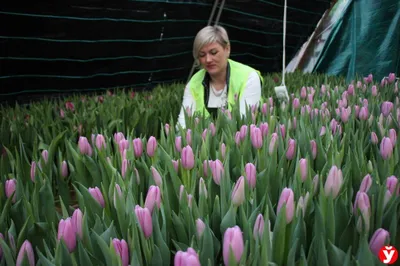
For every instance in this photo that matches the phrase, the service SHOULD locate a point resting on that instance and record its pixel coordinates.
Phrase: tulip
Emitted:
(153, 198)
(212, 128)
(64, 169)
(181, 190)
(287, 197)
(178, 143)
(374, 91)
(10, 188)
(203, 135)
(386, 148)
(251, 173)
(175, 163)
(391, 184)
(137, 147)
(200, 227)
(66, 231)
(123, 145)
(303, 92)
(187, 158)
(333, 182)
(144, 218)
(314, 148)
(315, 183)
(322, 131)
(202, 188)
(303, 169)
(345, 114)
(362, 203)
(233, 240)
(393, 136)
(96, 194)
(223, 150)
(117, 193)
(392, 77)
(291, 151)
(84, 146)
(256, 138)
(379, 239)
(217, 170)
(243, 132)
(189, 137)
(188, 258)
(366, 183)
(118, 137)
(100, 142)
(45, 155)
(62, 113)
(258, 229)
(237, 138)
(386, 108)
(122, 250)
(386, 199)
(273, 143)
(156, 176)
(77, 222)
(166, 128)
(296, 103)
(70, 106)
(374, 138)
(238, 193)
(124, 167)
(33, 171)
(264, 109)
(26, 250)
(151, 146)
(264, 129)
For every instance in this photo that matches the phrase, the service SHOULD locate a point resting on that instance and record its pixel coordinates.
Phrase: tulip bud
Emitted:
(386, 108)
(374, 138)
(303, 93)
(374, 91)
(64, 169)
(366, 183)
(77, 222)
(217, 170)
(122, 250)
(175, 163)
(322, 131)
(315, 183)
(223, 150)
(256, 137)
(287, 197)
(45, 155)
(392, 77)
(393, 136)
(156, 176)
(333, 182)
(137, 147)
(100, 142)
(202, 188)
(251, 173)
(166, 128)
(151, 146)
(264, 129)
(190, 257)
(212, 128)
(379, 239)
(203, 136)
(66, 231)
(153, 198)
(243, 132)
(237, 138)
(391, 184)
(363, 205)
(200, 226)
(258, 229)
(187, 158)
(291, 151)
(62, 113)
(386, 148)
(233, 240)
(314, 149)
(178, 143)
(296, 103)
(26, 250)
(33, 171)
(144, 218)
(238, 193)
(181, 190)
(124, 167)
(96, 194)
(273, 143)
(386, 199)
(370, 169)
(10, 188)
(84, 146)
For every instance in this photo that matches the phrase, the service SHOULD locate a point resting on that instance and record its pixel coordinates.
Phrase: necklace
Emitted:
(215, 92)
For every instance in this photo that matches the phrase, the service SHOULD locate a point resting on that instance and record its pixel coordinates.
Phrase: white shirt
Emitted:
(251, 96)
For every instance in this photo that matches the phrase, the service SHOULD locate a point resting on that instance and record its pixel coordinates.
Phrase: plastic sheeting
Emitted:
(366, 39)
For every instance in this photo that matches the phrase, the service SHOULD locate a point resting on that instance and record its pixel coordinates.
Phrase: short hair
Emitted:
(207, 35)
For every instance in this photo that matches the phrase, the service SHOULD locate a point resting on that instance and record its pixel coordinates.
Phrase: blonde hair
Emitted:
(207, 35)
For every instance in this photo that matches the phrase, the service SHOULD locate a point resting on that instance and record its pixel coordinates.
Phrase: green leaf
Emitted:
(336, 256)
(278, 240)
(7, 253)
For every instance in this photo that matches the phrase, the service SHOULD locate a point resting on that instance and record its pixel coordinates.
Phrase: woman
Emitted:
(220, 79)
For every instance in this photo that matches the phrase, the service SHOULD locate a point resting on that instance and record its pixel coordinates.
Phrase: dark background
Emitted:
(49, 48)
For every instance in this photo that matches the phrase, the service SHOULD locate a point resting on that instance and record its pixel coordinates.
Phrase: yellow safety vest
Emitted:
(237, 76)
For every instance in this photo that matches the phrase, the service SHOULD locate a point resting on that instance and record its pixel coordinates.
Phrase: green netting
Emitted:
(365, 40)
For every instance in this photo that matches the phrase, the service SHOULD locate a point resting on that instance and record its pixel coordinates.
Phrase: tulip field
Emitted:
(109, 179)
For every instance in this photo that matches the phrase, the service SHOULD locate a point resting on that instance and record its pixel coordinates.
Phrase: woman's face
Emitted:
(214, 58)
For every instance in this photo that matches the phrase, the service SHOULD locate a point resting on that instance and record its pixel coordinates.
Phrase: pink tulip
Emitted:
(237, 138)
(122, 250)
(84, 146)
(393, 136)
(392, 77)
(251, 173)
(303, 93)
(124, 167)
(345, 114)
(287, 197)
(238, 193)
(256, 138)
(156, 176)
(374, 138)
(100, 142)
(283, 131)
(188, 258)
(315, 183)
(70, 106)
(62, 113)
(97, 195)
(166, 129)
(118, 137)
(45, 155)
(386, 148)
(258, 229)
(333, 182)
(33, 171)
(187, 158)
(178, 143)
(322, 131)
(66, 231)
(374, 91)
(77, 222)
(223, 150)
(175, 163)
(366, 183)
(264, 129)
(314, 148)
(189, 137)
(217, 170)
(10, 188)
(363, 206)
(379, 239)
(203, 136)
(144, 218)
(64, 169)
(137, 147)
(386, 108)
(151, 146)
(26, 250)
(273, 143)
(200, 227)
(212, 128)
(153, 198)
(233, 239)
(291, 151)
(391, 184)
(296, 103)
(243, 132)
(264, 109)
